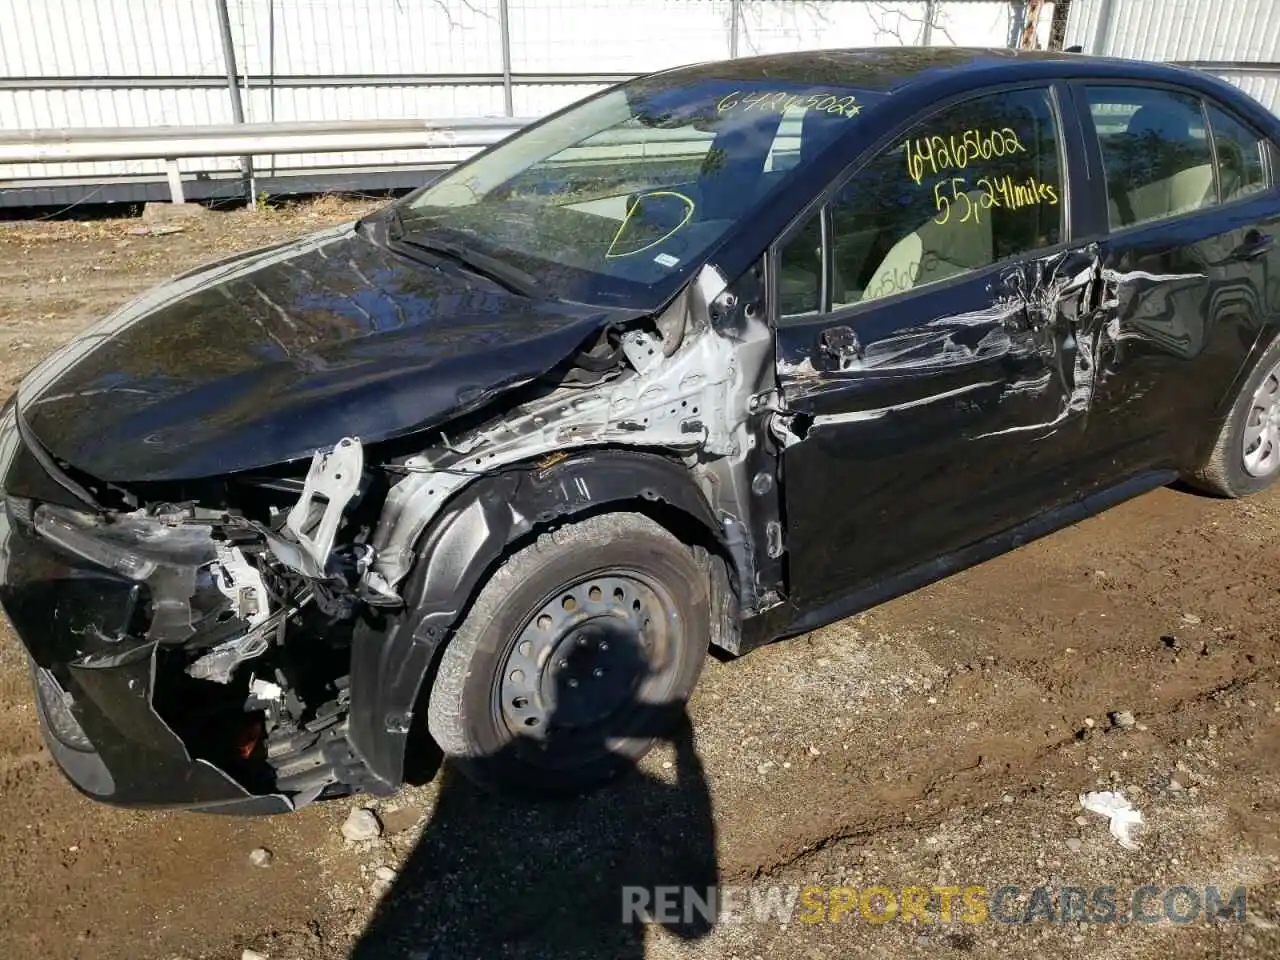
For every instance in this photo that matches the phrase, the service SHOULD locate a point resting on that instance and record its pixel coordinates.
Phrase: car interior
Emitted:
(1159, 165)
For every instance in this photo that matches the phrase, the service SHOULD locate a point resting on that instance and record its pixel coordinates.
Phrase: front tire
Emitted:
(1246, 455)
(577, 654)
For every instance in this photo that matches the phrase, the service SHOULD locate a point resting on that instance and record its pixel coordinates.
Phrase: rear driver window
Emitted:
(1155, 152)
(1239, 151)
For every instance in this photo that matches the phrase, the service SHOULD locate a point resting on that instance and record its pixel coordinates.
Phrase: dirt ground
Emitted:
(942, 739)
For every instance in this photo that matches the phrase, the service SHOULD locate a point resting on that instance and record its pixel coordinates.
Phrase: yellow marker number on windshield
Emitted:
(779, 101)
(688, 215)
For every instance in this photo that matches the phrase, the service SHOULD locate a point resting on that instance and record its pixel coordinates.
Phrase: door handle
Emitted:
(841, 343)
(1255, 245)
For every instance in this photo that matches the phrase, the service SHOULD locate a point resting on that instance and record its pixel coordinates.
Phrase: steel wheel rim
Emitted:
(581, 660)
(1260, 444)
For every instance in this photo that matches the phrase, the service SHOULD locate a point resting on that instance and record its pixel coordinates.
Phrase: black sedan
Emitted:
(711, 358)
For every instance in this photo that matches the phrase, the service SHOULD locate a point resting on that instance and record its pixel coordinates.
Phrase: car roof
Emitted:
(896, 69)
(903, 80)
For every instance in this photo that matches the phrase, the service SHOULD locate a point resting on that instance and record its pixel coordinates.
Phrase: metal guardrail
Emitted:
(172, 144)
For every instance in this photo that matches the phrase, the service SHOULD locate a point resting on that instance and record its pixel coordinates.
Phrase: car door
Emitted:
(926, 317)
(1192, 221)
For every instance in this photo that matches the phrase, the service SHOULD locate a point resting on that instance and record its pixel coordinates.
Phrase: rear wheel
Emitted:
(1246, 455)
(579, 652)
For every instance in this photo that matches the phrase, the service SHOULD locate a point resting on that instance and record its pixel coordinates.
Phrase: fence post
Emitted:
(504, 27)
(174, 176)
(233, 89)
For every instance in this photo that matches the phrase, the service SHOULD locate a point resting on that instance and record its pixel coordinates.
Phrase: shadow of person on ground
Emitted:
(495, 877)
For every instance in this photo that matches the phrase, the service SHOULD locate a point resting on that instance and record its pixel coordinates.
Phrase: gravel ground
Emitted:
(940, 740)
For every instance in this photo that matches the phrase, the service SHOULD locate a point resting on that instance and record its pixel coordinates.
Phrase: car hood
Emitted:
(268, 356)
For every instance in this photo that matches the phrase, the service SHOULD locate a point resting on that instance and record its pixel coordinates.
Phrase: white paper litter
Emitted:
(1123, 815)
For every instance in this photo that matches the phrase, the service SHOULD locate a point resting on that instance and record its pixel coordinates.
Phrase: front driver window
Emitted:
(968, 187)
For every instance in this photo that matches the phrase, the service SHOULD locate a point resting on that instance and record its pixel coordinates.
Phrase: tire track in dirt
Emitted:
(934, 785)
(1052, 691)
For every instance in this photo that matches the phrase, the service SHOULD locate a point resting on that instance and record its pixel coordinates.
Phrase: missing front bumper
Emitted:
(108, 741)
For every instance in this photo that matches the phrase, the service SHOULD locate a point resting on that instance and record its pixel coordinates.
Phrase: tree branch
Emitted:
(444, 6)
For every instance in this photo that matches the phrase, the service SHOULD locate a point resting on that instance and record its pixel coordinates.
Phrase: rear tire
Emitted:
(577, 654)
(1246, 455)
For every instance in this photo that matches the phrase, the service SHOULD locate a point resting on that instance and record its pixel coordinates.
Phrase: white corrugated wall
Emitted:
(1237, 39)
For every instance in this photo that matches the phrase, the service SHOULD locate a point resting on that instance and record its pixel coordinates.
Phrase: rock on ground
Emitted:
(361, 824)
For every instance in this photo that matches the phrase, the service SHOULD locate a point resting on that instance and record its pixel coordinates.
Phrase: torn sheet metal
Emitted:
(1148, 303)
(1019, 345)
(695, 399)
(946, 341)
(855, 416)
(1027, 302)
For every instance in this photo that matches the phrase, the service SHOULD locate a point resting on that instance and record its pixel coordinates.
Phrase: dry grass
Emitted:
(232, 225)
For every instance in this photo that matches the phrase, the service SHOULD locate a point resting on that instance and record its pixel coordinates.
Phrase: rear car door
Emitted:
(1188, 263)
(926, 317)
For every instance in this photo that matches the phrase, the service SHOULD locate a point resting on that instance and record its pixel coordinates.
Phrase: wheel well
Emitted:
(685, 527)
(394, 664)
(1202, 449)
(422, 756)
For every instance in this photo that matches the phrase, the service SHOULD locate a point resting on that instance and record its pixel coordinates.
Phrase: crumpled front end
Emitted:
(259, 639)
(136, 622)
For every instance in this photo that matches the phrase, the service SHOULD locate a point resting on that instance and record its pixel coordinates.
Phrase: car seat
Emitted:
(935, 251)
(1154, 178)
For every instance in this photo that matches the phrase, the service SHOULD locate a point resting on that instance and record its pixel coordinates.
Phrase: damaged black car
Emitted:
(711, 358)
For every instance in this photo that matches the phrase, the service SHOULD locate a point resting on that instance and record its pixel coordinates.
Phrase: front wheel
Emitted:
(578, 653)
(1246, 456)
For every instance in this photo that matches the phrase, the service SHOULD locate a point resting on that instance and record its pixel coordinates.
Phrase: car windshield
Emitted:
(617, 199)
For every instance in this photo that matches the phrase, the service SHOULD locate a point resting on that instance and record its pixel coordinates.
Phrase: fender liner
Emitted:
(390, 658)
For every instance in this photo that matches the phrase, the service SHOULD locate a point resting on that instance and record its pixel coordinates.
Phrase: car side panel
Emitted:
(1181, 308)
